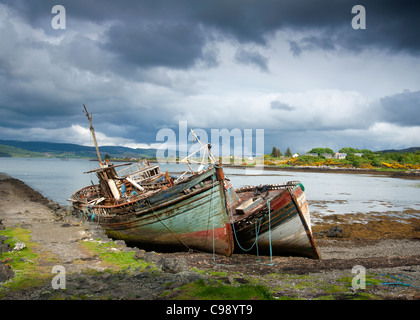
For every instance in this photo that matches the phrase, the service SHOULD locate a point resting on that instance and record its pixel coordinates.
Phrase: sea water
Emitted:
(327, 193)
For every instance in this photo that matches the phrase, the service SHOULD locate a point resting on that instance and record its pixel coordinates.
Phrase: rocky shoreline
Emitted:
(99, 268)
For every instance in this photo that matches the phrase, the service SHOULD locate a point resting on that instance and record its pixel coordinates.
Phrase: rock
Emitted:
(120, 242)
(53, 205)
(190, 276)
(241, 280)
(6, 272)
(4, 247)
(152, 257)
(98, 232)
(138, 275)
(173, 265)
(139, 254)
(335, 232)
(61, 212)
(45, 295)
(19, 246)
(66, 225)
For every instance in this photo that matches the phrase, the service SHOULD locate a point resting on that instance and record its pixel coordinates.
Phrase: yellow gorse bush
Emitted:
(407, 166)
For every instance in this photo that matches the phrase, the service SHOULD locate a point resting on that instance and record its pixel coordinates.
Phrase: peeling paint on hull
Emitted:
(171, 219)
(198, 222)
(286, 232)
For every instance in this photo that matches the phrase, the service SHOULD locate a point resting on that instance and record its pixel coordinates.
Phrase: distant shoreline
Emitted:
(325, 169)
(318, 169)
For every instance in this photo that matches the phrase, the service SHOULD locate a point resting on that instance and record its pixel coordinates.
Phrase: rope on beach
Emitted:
(399, 281)
(258, 224)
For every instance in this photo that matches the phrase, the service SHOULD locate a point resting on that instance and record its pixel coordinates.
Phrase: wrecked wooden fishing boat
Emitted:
(141, 205)
(272, 219)
(186, 215)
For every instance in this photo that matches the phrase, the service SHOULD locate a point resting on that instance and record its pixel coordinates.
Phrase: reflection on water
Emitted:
(327, 193)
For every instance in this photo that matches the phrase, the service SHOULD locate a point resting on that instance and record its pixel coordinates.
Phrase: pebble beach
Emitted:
(385, 246)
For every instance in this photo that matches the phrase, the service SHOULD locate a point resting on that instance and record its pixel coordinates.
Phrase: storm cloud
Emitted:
(141, 66)
(402, 109)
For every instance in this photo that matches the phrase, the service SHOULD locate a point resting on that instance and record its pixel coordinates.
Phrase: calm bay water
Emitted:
(328, 193)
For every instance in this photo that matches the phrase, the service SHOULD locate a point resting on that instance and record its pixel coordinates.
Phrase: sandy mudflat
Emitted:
(387, 247)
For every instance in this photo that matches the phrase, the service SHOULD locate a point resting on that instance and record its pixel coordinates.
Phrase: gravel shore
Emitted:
(386, 248)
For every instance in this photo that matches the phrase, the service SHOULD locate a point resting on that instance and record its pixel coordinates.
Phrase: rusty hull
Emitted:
(190, 215)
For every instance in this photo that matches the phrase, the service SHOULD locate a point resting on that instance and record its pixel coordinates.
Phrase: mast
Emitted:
(206, 148)
(89, 116)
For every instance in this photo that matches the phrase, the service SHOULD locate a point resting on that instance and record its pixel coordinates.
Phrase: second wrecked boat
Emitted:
(273, 219)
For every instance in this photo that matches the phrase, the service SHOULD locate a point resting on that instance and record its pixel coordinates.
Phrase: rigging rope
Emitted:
(399, 281)
(153, 211)
(258, 224)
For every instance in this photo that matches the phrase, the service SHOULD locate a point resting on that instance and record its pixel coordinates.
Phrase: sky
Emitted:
(298, 70)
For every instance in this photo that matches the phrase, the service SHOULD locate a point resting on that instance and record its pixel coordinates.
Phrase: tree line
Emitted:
(355, 157)
(276, 153)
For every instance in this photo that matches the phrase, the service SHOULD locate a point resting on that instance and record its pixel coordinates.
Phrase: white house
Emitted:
(340, 155)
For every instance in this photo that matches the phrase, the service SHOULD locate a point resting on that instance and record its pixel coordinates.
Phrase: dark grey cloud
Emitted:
(391, 25)
(126, 78)
(278, 105)
(310, 43)
(295, 48)
(252, 57)
(402, 109)
(174, 45)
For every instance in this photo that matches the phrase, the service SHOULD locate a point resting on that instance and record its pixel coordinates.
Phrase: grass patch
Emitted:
(349, 296)
(335, 292)
(369, 281)
(291, 281)
(25, 263)
(199, 290)
(113, 257)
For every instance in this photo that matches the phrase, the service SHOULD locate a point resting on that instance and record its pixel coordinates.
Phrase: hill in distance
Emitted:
(15, 148)
(408, 150)
(39, 148)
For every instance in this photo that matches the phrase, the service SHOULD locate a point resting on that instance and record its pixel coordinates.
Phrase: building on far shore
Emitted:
(327, 155)
(340, 155)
